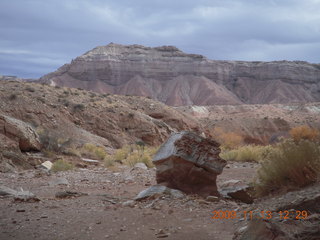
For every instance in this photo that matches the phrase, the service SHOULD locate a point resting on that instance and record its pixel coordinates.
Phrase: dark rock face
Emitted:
(176, 78)
(189, 163)
(236, 190)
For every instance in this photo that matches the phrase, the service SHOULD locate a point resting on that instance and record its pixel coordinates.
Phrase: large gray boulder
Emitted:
(20, 132)
(190, 163)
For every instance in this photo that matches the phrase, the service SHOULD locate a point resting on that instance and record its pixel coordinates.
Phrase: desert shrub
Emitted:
(142, 154)
(40, 99)
(289, 165)
(72, 152)
(78, 107)
(304, 132)
(109, 161)
(132, 154)
(13, 96)
(30, 89)
(252, 140)
(122, 153)
(228, 140)
(51, 141)
(249, 153)
(92, 151)
(61, 165)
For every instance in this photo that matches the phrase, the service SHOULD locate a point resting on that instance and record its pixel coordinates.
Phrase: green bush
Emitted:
(61, 165)
(289, 165)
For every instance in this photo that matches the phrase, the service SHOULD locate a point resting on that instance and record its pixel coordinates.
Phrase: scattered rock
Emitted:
(190, 163)
(157, 191)
(129, 203)
(236, 190)
(212, 199)
(141, 166)
(59, 181)
(5, 191)
(87, 160)
(19, 196)
(46, 165)
(69, 194)
(162, 234)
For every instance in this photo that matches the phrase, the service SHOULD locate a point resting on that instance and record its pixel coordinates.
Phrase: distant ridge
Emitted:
(176, 78)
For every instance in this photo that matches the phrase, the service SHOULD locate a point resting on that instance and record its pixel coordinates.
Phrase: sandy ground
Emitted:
(103, 213)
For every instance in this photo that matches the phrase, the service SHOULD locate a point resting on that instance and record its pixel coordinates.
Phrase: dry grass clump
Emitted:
(228, 140)
(289, 165)
(92, 151)
(249, 153)
(132, 154)
(61, 165)
(304, 132)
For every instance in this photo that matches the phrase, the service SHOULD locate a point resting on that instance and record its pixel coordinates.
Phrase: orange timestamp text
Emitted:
(250, 215)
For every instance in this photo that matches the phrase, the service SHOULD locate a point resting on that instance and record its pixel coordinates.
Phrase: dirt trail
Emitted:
(103, 213)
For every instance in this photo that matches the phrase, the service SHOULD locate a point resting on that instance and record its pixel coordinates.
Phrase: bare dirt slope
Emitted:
(103, 214)
(81, 114)
(176, 78)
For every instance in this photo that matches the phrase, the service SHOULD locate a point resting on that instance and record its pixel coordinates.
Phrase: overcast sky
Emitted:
(38, 36)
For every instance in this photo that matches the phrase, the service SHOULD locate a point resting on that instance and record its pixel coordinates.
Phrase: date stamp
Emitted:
(251, 215)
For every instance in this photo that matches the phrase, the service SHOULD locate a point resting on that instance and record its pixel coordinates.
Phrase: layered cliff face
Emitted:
(176, 78)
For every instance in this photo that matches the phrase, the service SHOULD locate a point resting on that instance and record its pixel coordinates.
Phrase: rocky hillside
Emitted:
(176, 78)
(32, 115)
(261, 122)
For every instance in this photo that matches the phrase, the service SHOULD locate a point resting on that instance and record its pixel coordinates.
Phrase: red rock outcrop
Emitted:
(176, 78)
(189, 163)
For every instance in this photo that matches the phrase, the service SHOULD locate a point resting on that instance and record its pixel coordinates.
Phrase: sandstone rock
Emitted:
(19, 196)
(21, 132)
(141, 166)
(189, 163)
(236, 190)
(212, 199)
(47, 165)
(157, 191)
(5, 191)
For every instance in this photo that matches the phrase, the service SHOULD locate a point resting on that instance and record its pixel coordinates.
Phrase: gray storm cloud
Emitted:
(38, 36)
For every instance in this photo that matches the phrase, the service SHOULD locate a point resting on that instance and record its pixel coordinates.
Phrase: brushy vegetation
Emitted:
(91, 151)
(132, 154)
(228, 140)
(61, 165)
(249, 153)
(52, 142)
(289, 165)
(304, 132)
(78, 107)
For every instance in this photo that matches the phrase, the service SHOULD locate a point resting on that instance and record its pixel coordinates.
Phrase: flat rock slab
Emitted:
(190, 163)
(238, 190)
(19, 196)
(157, 191)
